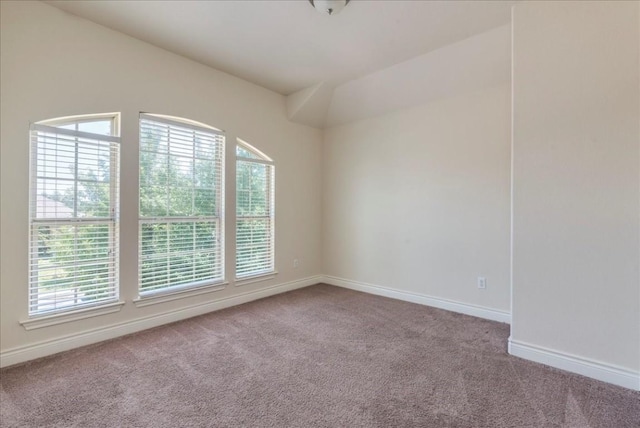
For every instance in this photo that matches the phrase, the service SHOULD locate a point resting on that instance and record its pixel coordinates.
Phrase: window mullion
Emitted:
(75, 178)
(168, 171)
(75, 215)
(193, 175)
(168, 252)
(114, 184)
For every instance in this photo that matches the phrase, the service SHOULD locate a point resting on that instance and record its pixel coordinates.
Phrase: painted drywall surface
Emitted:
(418, 199)
(480, 61)
(576, 280)
(477, 62)
(55, 64)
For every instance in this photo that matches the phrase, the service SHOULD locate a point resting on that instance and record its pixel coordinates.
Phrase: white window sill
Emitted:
(169, 295)
(61, 318)
(256, 278)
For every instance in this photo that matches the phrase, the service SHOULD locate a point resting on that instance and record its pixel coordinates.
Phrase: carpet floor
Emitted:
(321, 356)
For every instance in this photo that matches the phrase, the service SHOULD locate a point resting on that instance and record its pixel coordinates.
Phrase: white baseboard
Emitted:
(65, 343)
(571, 363)
(436, 302)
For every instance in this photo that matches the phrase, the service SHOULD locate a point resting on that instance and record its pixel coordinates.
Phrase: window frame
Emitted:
(169, 292)
(38, 136)
(263, 159)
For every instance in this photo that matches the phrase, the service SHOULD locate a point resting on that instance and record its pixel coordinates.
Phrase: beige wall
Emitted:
(576, 206)
(418, 200)
(54, 64)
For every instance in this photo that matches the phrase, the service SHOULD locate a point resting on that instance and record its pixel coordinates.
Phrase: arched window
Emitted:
(181, 224)
(255, 185)
(73, 215)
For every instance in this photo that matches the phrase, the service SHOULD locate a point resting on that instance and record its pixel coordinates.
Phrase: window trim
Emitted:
(263, 159)
(252, 279)
(44, 318)
(48, 320)
(176, 294)
(84, 118)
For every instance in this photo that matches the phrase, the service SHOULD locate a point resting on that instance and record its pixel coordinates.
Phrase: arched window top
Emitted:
(181, 121)
(245, 150)
(98, 124)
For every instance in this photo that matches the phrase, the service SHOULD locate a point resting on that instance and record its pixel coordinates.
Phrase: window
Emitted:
(73, 213)
(181, 205)
(254, 212)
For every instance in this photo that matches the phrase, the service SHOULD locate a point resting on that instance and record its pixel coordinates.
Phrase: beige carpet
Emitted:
(316, 357)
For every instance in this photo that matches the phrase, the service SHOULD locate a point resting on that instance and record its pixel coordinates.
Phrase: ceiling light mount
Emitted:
(329, 7)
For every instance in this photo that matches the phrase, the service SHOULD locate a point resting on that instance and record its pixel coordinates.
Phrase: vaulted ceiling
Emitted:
(292, 49)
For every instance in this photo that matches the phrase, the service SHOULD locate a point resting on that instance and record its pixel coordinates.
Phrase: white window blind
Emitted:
(181, 230)
(255, 186)
(73, 215)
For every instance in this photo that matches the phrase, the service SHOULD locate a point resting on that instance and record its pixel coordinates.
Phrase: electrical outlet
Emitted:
(482, 282)
(296, 263)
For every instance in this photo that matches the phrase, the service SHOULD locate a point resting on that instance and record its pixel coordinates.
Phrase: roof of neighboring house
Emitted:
(47, 207)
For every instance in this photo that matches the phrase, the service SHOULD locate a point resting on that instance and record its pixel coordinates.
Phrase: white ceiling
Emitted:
(286, 45)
